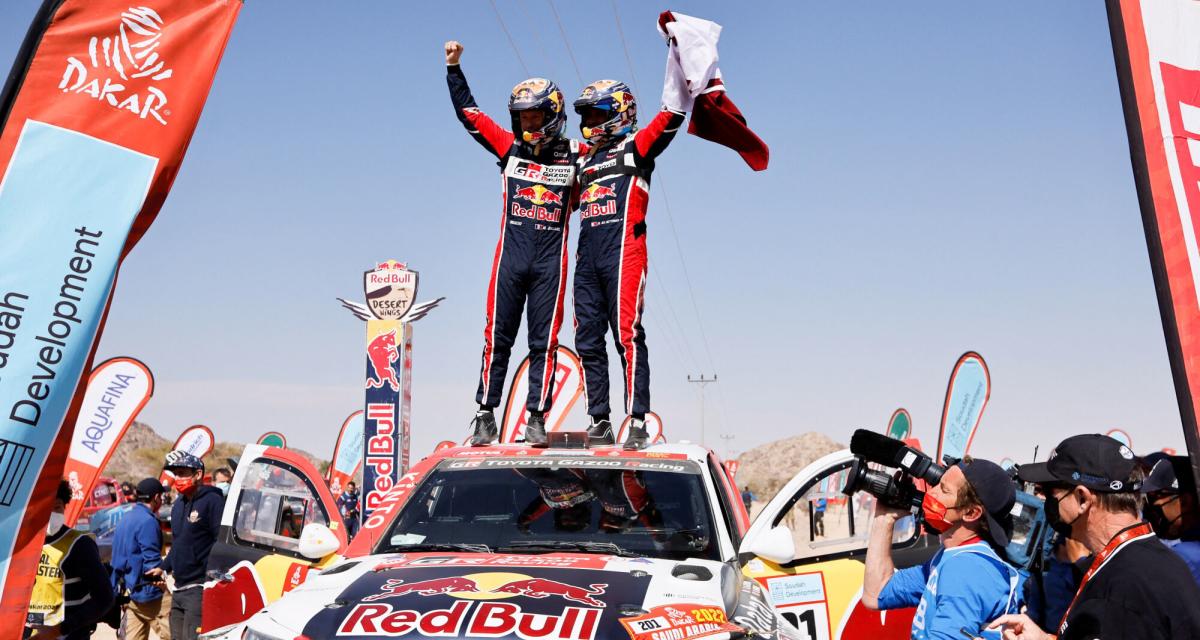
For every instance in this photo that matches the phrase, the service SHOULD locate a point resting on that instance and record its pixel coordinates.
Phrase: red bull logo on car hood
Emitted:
(493, 586)
(453, 601)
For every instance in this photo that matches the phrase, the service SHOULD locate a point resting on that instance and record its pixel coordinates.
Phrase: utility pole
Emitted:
(728, 438)
(703, 382)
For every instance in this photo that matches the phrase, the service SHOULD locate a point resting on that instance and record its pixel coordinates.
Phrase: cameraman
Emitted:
(966, 584)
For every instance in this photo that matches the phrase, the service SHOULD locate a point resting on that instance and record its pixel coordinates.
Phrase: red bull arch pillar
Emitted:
(389, 311)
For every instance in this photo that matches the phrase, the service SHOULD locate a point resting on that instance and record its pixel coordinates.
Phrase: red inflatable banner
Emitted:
(1158, 69)
(95, 118)
(117, 391)
(568, 387)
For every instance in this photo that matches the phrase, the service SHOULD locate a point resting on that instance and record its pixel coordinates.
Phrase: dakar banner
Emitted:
(196, 440)
(273, 439)
(900, 424)
(1158, 69)
(347, 458)
(568, 387)
(95, 118)
(385, 423)
(966, 397)
(117, 391)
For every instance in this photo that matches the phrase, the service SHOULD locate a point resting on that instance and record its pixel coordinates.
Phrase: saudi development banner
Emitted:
(1158, 68)
(95, 118)
(966, 397)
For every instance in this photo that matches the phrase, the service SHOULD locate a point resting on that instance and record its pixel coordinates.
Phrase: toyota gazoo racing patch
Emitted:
(454, 601)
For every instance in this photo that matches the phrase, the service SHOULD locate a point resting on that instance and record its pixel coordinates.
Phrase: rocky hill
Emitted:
(767, 468)
(140, 454)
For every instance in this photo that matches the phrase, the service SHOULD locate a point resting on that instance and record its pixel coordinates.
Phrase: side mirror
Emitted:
(317, 541)
(774, 544)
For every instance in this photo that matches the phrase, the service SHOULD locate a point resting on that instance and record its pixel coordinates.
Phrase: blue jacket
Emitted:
(195, 523)
(136, 548)
(962, 587)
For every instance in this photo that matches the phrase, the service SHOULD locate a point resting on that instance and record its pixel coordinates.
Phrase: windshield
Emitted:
(633, 507)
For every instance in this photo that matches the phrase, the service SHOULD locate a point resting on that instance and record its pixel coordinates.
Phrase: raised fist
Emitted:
(454, 51)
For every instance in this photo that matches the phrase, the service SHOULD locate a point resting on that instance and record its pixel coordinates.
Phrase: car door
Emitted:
(807, 546)
(277, 503)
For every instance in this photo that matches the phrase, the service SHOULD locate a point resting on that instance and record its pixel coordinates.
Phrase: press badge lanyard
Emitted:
(1116, 544)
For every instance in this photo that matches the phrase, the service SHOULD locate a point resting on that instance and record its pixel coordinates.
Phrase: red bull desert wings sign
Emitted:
(391, 292)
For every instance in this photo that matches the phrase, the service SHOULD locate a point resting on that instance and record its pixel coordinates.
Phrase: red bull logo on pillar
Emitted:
(382, 355)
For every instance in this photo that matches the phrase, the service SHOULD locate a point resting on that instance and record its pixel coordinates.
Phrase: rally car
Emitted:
(581, 543)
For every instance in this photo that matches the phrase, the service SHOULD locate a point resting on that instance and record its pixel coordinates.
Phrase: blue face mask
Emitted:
(224, 487)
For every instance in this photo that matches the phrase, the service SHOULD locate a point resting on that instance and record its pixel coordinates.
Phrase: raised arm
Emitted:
(654, 138)
(486, 132)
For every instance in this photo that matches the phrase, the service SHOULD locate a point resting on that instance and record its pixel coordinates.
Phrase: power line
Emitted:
(566, 40)
(674, 316)
(512, 43)
(628, 58)
(533, 32)
(671, 221)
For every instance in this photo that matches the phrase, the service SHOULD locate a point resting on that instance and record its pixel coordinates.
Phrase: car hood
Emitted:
(575, 596)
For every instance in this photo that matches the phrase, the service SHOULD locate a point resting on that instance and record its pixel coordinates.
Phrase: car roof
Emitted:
(683, 450)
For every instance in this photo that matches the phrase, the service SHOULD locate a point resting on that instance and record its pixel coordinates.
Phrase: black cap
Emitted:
(149, 488)
(1172, 474)
(996, 491)
(1097, 462)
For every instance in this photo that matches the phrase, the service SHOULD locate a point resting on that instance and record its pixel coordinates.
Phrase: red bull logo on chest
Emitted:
(537, 194)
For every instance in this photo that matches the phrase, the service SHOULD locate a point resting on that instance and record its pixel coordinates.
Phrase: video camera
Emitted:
(895, 490)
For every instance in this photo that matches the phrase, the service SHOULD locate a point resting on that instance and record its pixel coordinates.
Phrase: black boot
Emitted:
(638, 436)
(484, 426)
(600, 433)
(535, 431)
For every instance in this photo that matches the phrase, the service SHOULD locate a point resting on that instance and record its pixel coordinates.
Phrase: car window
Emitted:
(825, 521)
(275, 503)
(655, 508)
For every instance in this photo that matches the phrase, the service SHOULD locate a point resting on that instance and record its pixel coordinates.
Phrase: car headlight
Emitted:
(251, 634)
(224, 633)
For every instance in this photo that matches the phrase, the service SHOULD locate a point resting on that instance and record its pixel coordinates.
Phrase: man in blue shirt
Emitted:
(966, 584)
(136, 549)
(1171, 506)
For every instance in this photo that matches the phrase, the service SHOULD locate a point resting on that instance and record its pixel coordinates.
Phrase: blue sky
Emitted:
(942, 179)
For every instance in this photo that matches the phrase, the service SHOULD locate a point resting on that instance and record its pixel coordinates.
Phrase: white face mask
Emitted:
(223, 486)
(57, 520)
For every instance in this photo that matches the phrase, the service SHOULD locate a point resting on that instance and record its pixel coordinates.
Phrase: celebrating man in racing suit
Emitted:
(610, 266)
(537, 168)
